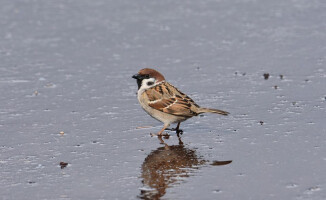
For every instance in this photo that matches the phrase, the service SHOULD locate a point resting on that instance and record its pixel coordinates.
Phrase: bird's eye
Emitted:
(150, 83)
(146, 76)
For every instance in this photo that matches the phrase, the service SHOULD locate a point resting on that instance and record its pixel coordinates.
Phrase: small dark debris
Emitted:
(243, 74)
(281, 76)
(203, 115)
(261, 122)
(31, 182)
(293, 103)
(94, 142)
(306, 80)
(275, 87)
(219, 163)
(63, 165)
(198, 68)
(235, 130)
(266, 76)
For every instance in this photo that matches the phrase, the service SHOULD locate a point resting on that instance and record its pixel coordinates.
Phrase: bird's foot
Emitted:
(178, 131)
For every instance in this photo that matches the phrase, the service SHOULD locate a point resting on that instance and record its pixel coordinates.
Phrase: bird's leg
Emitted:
(177, 130)
(164, 127)
(160, 133)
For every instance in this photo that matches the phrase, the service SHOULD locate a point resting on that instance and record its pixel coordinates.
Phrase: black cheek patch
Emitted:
(139, 83)
(150, 83)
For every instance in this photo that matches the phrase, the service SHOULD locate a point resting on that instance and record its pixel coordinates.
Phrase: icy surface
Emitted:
(67, 96)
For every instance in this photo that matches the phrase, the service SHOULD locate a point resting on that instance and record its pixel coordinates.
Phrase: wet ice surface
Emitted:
(67, 96)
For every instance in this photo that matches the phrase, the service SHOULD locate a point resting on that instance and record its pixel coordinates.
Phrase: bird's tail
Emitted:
(210, 110)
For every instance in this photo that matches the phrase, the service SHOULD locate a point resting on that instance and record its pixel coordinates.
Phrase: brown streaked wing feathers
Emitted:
(166, 98)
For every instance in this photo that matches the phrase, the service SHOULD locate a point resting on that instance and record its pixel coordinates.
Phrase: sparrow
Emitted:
(164, 102)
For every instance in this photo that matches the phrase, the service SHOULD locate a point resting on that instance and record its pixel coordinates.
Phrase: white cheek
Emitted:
(144, 85)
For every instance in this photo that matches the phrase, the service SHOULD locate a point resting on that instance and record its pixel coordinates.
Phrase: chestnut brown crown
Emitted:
(152, 73)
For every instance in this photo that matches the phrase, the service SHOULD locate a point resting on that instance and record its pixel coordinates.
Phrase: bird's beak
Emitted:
(137, 76)
(139, 79)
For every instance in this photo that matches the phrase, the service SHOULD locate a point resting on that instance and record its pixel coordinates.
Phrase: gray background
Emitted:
(67, 66)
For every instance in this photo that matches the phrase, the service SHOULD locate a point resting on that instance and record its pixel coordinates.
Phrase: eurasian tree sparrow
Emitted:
(164, 102)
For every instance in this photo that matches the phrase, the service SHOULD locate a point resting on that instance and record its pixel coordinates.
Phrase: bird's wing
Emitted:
(168, 99)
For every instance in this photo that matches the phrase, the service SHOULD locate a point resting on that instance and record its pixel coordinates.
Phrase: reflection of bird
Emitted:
(165, 166)
(164, 102)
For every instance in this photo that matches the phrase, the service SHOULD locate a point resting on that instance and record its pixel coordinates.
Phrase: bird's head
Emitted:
(147, 78)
